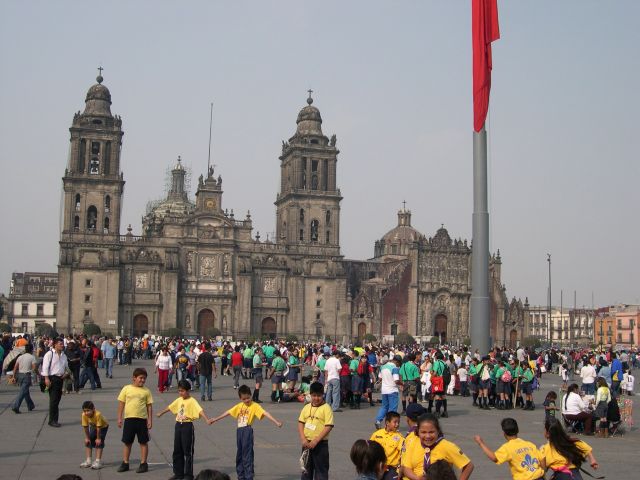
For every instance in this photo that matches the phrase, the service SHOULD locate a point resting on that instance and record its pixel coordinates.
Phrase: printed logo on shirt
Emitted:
(530, 463)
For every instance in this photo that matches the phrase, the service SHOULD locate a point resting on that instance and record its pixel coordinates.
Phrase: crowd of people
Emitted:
(414, 381)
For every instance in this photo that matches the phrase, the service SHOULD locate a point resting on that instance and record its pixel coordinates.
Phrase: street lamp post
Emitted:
(277, 310)
(601, 331)
(335, 328)
(549, 311)
(504, 318)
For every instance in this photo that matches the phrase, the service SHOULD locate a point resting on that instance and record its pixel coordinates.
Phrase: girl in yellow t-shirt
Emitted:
(427, 446)
(564, 455)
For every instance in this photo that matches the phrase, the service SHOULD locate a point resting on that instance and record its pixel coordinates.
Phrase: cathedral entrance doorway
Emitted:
(268, 328)
(206, 321)
(362, 330)
(440, 330)
(513, 338)
(140, 325)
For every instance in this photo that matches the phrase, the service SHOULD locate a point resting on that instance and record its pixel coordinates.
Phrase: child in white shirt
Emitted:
(462, 375)
(628, 383)
(425, 381)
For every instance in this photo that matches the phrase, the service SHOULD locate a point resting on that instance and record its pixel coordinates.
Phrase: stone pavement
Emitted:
(30, 449)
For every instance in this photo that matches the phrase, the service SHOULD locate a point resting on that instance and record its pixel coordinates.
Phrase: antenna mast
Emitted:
(210, 123)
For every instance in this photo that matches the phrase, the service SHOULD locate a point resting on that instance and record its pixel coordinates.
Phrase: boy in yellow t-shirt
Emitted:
(187, 409)
(245, 413)
(523, 457)
(135, 406)
(314, 425)
(95, 431)
(391, 440)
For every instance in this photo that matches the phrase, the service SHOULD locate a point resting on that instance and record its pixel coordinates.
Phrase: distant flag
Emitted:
(484, 30)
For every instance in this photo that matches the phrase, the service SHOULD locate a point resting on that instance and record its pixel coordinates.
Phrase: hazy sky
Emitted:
(392, 81)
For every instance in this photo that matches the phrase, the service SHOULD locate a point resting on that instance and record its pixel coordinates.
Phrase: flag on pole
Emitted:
(484, 30)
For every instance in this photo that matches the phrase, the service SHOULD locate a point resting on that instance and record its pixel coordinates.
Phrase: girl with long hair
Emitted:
(563, 454)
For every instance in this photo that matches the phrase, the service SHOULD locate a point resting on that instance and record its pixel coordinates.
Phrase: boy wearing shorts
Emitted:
(95, 431)
(135, 407)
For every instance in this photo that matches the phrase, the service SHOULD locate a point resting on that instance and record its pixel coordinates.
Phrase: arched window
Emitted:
(81, 154)
(107, 204)
(327, 237)
(328, 218)
(302, 215)
(92, 218)
(107, 158)
(106, 225)
(76, 223)
(77, 202)
(314, 230)
(302, 234)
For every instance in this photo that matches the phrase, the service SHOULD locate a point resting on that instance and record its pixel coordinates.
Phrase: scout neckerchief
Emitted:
(428, 451)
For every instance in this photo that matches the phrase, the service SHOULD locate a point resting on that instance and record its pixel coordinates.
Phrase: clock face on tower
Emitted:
(210, 204)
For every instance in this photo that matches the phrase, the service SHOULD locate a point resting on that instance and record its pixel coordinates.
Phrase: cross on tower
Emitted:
(310, 100)
(100, 70)
(310, 92)
(404, 205)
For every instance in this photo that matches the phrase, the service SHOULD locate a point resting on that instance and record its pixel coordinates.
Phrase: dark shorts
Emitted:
(276, 378)
(501, 387)
(527, 388)
(257, 375)
(93, 434)
(292, 376)
(484, 384)
(248, 363)
(409, 388)
(135, 427)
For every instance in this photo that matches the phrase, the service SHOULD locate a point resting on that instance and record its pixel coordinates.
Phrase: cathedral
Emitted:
(198, 268)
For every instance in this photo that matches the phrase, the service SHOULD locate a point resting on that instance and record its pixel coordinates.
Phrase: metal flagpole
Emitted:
(480, 249)
(210, 124)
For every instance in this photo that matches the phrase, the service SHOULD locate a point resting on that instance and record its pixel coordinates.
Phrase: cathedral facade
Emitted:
(198, 268)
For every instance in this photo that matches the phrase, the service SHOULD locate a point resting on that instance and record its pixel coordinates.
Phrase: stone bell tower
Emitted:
(308, 205)
(88, 271)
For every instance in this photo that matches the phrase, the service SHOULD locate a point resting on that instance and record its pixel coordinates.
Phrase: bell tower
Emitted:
(89, 266)
(93, 183)
(308, 205)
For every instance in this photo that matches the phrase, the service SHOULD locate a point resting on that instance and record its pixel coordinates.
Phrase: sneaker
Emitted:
(96, 465)
(445, 415)
(378, 425)
(144, 467)
(86, 463)
(175, 477)
(124, 467)
(202, 399)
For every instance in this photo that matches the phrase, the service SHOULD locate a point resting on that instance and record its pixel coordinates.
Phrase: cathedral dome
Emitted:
(398, 240)
(309, 120)
(98, 100)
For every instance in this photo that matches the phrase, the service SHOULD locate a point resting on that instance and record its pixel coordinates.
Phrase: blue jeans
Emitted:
(87, 374)
(108, 366)
(333, 393)
(589, 388)
(206, 379)
(389, 404)
(24, 382)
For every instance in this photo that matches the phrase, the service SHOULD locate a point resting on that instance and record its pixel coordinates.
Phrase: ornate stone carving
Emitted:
(269, 284)
(142, 280)
(207, 266)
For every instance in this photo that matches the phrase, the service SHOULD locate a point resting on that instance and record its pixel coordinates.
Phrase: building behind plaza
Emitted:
(199, 266)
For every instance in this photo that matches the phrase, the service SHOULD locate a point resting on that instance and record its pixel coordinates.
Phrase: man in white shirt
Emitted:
(54, 365)
(332, 376)
(389, 388)
(25, 364)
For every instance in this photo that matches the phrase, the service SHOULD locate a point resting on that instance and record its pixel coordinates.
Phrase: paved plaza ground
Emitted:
(30, 449)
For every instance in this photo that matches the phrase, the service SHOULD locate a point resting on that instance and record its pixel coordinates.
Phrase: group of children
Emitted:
(425, 454)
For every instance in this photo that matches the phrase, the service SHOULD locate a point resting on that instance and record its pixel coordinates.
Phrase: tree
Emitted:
(5, 327)
(44, 329)
(404, 338)
(172, 332)
(91, 329)
(291, 338)
(213, 332)
(531, 342)
(370, 338)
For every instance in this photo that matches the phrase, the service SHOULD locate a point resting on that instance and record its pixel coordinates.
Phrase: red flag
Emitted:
(484, 30)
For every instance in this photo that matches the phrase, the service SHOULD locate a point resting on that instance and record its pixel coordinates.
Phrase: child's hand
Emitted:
(87, 442)
(478, 439)
(149, 424)
(159, 414)
(98, 442)
(119, 423)
(211, 421)
(279, 424)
